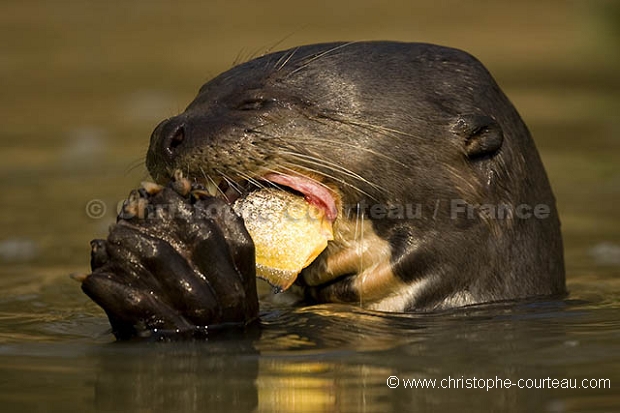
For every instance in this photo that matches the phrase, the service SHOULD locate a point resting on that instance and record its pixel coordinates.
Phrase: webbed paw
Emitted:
(176, 260)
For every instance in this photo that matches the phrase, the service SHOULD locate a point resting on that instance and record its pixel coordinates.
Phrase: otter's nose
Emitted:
(167, 142)
(171, 137)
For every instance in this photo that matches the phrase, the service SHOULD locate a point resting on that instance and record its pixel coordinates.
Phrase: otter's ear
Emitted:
(481, 135)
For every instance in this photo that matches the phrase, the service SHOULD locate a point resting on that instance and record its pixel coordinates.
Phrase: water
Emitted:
(55, 353)
(85, 83)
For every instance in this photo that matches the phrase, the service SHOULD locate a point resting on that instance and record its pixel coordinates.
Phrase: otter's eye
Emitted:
(254, 104)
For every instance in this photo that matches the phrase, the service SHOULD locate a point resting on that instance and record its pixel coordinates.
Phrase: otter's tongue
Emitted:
(314, 193)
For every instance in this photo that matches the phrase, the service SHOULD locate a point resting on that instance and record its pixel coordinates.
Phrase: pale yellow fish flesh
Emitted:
(288, 233)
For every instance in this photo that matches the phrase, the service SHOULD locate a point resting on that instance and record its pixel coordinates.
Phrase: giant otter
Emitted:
(437, 193)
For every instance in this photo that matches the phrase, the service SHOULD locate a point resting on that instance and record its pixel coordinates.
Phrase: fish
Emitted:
(288, 233)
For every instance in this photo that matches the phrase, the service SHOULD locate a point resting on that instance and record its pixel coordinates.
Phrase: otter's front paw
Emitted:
(176, 260)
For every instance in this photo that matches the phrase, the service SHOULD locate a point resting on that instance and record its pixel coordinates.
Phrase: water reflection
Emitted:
(188, 377)
(339, 360)
(317, 359)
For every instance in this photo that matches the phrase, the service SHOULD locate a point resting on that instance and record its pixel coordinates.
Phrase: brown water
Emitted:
(84, 83)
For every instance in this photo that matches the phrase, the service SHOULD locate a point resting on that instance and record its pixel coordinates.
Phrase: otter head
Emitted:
(436, 192)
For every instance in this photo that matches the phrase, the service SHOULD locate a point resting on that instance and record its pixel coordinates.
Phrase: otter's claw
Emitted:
(151, 188)
(180, 184)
